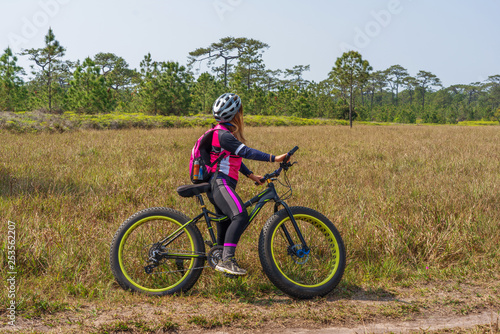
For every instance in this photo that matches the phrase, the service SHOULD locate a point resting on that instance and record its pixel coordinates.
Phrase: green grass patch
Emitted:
(478, 123)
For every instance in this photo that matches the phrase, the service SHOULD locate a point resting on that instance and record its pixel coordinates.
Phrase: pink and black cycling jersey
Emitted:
(225, 142)
(223, 194)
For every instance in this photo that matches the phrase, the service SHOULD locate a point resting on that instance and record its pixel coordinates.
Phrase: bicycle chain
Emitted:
(177, 271)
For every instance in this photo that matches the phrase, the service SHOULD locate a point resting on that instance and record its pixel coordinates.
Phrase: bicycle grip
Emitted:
(293, 150)
(261, 180)
(289, 154)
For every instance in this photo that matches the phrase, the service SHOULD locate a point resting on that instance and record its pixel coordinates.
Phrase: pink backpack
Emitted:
(200, 167)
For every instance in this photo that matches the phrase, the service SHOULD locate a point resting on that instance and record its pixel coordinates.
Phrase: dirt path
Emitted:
(488, 320)
(459, 306)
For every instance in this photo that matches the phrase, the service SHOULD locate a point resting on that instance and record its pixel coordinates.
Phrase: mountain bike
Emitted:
(160, 251)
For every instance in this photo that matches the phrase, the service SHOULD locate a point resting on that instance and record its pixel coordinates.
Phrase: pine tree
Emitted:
(426, 80)
(11, 84)
(205, 91)
(164, 88)
(50, 67)
(89, 91)
(350, 71)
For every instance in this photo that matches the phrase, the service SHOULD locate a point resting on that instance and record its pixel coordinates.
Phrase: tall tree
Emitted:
(150, 88)
(204, 92)
(89, 91)
(226, 49)
(271, 79)
(177, 82)
(10, 81)
(471, 91)
(396, 75)
(376, 82)
(48, 59)
(410, 83)
(322, 98)
(493, 87)
(164, 88)
(494, 79)
(115, 69)
(296, 74)
(250, 63)
(350, 71)
(425, 81)
(247, 51)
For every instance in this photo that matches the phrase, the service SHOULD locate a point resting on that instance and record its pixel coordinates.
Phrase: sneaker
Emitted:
(230, 267)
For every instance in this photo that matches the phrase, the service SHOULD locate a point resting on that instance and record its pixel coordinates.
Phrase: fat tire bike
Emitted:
(160, 251)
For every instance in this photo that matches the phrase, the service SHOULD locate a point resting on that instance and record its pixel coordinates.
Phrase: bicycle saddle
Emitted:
(191, 190)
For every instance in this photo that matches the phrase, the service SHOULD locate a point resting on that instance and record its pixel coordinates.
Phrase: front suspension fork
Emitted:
(292, 249)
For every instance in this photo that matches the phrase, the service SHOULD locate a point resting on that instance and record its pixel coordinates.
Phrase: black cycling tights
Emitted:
(227, 202)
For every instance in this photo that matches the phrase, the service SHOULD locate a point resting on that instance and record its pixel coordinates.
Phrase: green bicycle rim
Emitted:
(125, 237)
(329, 235)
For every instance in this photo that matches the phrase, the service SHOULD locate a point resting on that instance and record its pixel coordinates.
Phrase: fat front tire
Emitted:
(134, 258)
(298, 272)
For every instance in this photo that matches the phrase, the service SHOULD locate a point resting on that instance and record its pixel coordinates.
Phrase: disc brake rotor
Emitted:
(298, 255)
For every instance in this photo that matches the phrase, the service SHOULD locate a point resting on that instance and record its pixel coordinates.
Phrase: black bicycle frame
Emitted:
(259, 201)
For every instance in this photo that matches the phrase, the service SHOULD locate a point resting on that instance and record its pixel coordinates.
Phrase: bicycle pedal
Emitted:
(231, 276)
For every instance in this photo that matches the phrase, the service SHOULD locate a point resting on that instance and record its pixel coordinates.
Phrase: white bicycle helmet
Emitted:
(226, 106)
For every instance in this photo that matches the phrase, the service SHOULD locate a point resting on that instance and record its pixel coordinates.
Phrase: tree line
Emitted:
(351, 90)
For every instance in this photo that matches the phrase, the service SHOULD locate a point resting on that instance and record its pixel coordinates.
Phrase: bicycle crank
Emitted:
(214, 256)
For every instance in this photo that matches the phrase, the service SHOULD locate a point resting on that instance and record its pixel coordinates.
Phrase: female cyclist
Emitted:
(228, 139)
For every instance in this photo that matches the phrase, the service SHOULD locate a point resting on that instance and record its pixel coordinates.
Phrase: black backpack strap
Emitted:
(221, 156)
(217, 163)
(219, 159)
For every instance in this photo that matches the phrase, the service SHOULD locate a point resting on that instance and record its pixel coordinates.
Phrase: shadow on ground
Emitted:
(15, 186)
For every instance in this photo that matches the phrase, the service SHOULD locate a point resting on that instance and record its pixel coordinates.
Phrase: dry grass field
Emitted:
(417, 206)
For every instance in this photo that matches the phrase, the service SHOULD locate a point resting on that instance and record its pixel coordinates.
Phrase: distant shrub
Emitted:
(477, 123)
(68, 121)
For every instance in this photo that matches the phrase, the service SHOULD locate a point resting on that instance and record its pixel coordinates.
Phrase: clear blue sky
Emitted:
(459, 40)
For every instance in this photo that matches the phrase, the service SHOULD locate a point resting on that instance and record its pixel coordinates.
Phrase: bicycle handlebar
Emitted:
(283, 165)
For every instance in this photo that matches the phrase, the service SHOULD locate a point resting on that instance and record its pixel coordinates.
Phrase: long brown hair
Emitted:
(238, 126)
